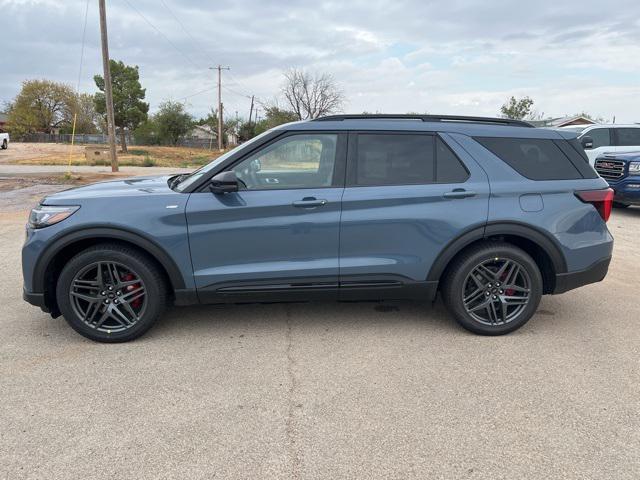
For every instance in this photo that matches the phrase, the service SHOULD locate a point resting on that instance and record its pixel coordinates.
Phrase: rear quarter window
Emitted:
(534, 158)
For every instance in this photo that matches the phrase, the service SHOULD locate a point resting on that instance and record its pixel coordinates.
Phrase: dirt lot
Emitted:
(327, 391)
(58, 154)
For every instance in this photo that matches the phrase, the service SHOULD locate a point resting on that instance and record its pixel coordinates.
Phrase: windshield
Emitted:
(196, 175)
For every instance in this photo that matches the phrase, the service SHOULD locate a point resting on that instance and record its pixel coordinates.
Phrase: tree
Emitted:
(129, 109)
(311, 96)
(517, 109)
(273, 116)
(41, 106)
(172, 122)
(84, 109)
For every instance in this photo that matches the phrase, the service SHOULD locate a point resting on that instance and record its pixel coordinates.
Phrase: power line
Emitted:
(162, 34)
(178, 21)
(84, 36)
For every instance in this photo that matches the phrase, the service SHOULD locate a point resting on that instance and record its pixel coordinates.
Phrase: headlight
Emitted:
(634, 168)
(45, 216)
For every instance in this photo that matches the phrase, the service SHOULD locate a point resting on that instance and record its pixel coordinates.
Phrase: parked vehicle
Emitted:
(490, 212)
(622, 172)
(598, 140)
(4, 141)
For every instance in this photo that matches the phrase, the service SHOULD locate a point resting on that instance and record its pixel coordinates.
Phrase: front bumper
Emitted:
(627, 190)
(593, 274)
(36, 299)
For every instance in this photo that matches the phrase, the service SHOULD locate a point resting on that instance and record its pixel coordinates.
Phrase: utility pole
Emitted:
(219, 68)
(108, 93)
(251, 110)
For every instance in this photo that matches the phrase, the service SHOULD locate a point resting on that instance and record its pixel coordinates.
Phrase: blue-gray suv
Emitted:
(492, 213)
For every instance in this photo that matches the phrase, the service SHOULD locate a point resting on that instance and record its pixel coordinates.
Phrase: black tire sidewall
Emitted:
(145, 270)
(455, 283)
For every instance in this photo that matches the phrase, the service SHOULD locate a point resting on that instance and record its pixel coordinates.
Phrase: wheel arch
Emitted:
(543, 249)
(50, 263)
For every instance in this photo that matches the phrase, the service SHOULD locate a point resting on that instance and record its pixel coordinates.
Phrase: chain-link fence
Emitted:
(99, 139)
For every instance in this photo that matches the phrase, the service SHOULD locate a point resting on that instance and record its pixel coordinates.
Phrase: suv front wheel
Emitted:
(493, 288)
(111, 293)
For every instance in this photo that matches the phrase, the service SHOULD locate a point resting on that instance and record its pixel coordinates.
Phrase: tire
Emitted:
(620, 205)
(135, 301)
(5, 145)
(512, 310)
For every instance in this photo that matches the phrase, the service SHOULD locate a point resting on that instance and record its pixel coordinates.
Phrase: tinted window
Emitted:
(449, 168)
(296, 161)
(394, 159)
(600, 136)
(537, 159)
(574, 151)
(628, 137)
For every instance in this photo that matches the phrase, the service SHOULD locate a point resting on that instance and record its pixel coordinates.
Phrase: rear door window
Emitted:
(534, 158)
(628, 137)
(404, 159)
(394, 159)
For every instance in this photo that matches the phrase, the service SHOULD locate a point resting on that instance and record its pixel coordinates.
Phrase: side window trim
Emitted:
(339, 166)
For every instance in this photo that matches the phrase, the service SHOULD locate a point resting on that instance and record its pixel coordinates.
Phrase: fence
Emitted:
(101, 139)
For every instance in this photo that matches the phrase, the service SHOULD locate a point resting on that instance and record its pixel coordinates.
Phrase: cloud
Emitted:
(458, 56)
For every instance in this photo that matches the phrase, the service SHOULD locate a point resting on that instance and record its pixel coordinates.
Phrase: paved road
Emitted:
(327, 391)
(14, 170)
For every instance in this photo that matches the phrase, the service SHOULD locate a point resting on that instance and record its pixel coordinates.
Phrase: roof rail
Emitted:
(426, 118)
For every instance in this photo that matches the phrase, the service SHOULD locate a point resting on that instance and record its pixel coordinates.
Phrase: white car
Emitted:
(4, 141)
(600, 139)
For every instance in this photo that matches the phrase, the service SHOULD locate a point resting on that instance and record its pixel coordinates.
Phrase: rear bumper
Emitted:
(595, 273)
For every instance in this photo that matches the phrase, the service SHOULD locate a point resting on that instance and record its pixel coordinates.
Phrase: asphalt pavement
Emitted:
(392, 390)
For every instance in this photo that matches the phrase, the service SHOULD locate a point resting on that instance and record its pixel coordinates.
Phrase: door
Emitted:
(407, 197)
(278, 235)
(602, 143)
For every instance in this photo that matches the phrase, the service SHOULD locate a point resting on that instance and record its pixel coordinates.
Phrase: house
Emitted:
(563, 122)
(205, 132)
(4, 118)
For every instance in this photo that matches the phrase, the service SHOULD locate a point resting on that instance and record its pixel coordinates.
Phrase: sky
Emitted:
(439, 57)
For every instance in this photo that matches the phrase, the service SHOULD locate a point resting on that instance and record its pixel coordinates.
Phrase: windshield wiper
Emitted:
(173, 181)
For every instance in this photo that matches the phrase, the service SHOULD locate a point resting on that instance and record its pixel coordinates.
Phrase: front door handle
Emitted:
(309, 202)
(459, 193)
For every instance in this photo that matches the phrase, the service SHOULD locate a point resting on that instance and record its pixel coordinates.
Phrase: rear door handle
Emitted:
(459, 193)
(309, 202)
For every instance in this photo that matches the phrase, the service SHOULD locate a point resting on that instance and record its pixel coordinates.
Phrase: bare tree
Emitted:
(312, 95)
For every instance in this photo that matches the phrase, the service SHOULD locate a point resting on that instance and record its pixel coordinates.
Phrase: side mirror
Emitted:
(587, 142)
(224, 182)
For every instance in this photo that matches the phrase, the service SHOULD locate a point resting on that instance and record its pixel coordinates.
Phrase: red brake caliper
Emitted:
(508, 291)
(129, 288)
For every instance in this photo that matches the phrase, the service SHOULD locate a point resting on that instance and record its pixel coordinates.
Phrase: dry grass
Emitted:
(137, 157)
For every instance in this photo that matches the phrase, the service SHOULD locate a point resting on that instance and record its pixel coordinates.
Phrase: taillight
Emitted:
(601, 199)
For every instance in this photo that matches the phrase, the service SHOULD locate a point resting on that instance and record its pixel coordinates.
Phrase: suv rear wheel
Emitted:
(493, 289)
(111, 293)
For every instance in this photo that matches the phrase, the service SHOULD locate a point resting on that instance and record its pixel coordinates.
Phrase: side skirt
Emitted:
(284, 293)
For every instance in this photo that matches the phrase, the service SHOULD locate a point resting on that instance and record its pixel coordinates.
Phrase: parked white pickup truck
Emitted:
(4, 141)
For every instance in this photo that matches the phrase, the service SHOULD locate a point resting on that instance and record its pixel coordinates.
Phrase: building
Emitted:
(205, 132)
(3, 121)
(563, 122)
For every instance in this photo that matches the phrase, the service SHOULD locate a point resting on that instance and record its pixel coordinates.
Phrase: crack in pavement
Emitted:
(293, 409)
